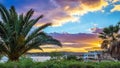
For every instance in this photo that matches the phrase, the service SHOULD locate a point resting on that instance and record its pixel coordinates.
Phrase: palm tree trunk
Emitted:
(13, 58)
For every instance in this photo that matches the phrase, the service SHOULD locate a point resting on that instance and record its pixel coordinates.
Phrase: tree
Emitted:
(16, 37)
(111, 40)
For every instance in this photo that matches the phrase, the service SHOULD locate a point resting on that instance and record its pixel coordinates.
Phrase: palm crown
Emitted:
(111, 40)
(16, 37)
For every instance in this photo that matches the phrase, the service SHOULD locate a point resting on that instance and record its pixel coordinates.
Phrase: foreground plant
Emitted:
(16, 37)
(111, 40)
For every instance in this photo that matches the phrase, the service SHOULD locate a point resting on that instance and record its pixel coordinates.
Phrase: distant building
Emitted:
(91, 55)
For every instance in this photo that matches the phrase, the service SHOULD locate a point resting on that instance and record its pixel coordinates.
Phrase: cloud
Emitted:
(116, 8)
(96, 30)
(74, 7)
(114, 1)
(64, 49)
(60, 12)
(77, 42)
(94, 48)
(69, 43)
(83, 6)
(80, 42)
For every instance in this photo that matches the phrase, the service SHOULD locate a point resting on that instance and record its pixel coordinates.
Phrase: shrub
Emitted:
(71, 57)
(74, 65)
(56, 55)
(27, 63)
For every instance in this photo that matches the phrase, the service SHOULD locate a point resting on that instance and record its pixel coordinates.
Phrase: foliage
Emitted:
(16, 37)
(71, 57)
(56, 55)
(60, 64)
(111, 40)
(1, 56)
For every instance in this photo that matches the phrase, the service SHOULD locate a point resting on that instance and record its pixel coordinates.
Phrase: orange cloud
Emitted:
(60, 12)
(81, 7)
(57, 17)
(114, 1)
(86, 6)
(63, 49)
(81, 41)
(116, 8)
(73, 43)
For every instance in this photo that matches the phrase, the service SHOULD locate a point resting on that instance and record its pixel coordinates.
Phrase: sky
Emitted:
(74, 22)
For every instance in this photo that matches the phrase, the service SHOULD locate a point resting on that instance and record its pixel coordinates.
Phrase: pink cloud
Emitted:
(60, 12)
(80, 40)
(96, 30)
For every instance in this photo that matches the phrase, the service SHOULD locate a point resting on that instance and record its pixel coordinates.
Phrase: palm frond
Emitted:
(37, 32)
(28, 16)
(27, 29)
(16, 35)
(4, 14)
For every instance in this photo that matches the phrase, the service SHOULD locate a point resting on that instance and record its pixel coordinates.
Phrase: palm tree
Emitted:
(16, 37)
(111, 40)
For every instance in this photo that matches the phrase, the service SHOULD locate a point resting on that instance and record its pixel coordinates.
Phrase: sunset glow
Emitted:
(75, 23)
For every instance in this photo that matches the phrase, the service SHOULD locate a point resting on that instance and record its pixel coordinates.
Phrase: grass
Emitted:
(59, 64)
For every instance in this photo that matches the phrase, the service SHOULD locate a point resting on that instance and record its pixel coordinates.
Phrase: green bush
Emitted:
(56, 55)
(27, 63)
(109, 65)
(71, 57)
(74, 65)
